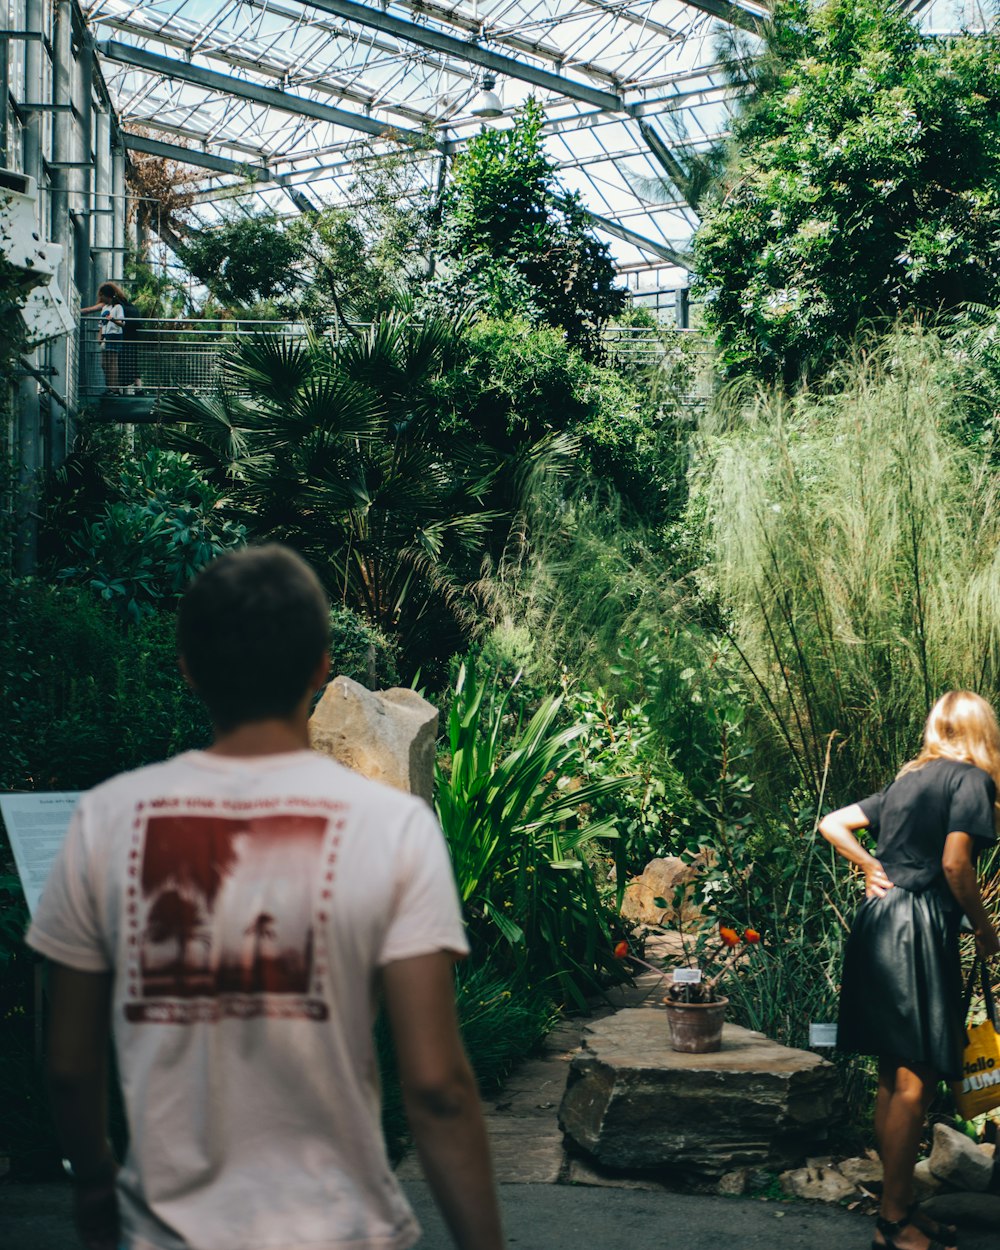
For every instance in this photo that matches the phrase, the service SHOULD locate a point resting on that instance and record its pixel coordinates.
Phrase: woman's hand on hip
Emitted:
(877, 884)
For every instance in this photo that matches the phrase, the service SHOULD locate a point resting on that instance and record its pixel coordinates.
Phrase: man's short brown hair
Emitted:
(251, 629)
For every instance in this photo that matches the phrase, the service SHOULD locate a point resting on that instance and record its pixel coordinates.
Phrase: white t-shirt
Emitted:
(245, 907)
(113, 321)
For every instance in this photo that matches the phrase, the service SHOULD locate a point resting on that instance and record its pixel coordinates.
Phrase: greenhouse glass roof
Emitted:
(297, 92)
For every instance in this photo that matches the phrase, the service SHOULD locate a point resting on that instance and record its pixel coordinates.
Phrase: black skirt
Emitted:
(901, 996)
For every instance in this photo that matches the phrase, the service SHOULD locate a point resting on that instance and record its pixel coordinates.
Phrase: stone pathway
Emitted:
(522, 1120)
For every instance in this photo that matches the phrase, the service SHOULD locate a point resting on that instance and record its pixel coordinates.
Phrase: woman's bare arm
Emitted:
(959, 867)
(838, 829)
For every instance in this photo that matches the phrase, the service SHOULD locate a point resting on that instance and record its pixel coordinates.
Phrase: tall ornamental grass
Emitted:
(853, 548)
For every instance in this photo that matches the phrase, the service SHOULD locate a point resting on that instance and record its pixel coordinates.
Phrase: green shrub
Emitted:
(515, 819)
(140, 551)
(651, 810)
(362, 652)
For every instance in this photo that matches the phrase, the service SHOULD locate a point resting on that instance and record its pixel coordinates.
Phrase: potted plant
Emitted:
(694, 1002)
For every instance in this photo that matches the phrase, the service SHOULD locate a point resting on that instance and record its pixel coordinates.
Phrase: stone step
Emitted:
(632, 1102)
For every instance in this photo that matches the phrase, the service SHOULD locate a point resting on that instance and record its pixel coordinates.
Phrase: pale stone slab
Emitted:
(632, 1102)
(817, 1184)
(925, 1183)
(669, 879)
(958, 1161)
(866, 1172)
(734, 1184)
(526, 1151)
(387, 736)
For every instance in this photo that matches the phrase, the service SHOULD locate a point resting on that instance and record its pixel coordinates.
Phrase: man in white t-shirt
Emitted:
(231, 915)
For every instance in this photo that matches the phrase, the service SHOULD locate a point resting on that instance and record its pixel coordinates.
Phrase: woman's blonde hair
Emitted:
(961, 726)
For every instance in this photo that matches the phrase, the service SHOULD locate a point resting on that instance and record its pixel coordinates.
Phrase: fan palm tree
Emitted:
(340, 449)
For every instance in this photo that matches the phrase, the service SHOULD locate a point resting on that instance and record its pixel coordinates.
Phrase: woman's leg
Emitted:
(886, 1086)
(905, 1093)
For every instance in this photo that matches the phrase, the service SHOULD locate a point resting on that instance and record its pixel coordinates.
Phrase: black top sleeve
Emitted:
(872, 808)
(971, 808)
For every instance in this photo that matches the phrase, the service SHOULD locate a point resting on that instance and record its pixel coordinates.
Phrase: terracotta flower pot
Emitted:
(696, 1028)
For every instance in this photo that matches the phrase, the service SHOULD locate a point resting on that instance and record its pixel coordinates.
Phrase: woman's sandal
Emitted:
(931, 1227)
(892, 1228)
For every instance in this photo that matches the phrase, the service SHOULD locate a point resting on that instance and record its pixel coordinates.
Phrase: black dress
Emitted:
(901, 995)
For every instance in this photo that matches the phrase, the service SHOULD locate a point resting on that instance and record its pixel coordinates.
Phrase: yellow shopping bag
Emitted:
(979, 1089)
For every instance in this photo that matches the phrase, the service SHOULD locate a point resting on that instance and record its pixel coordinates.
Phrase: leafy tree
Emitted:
(245, 259)
(517, 241)
(863, 184)
(363, 259)
(519, 384)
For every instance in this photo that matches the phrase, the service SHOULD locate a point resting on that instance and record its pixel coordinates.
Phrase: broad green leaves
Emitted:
(516, 822)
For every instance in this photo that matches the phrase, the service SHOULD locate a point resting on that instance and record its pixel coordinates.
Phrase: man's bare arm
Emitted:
(441, 1098)
(79, 1029)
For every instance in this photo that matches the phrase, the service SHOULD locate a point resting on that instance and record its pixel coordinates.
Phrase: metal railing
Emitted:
(176, 354)
(171, 354)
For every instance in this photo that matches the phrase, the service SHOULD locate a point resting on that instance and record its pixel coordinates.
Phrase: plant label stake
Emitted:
(822, 1035)
(687, 976)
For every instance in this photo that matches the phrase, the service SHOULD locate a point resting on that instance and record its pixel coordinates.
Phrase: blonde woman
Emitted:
(901, 997)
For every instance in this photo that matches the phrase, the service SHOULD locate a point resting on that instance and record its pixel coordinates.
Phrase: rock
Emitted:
(925, 1183)
(864, 1172)
(969, 1210)
(958, 1161)
(388, 736)
(661, 878)
(818, 1184)
(734, 1184)
(632, 1102)
(586, 1172)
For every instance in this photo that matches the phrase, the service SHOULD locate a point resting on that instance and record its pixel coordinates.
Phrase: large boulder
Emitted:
(958, 1161)
(632, 1102)
(669, 880)
(388, 736)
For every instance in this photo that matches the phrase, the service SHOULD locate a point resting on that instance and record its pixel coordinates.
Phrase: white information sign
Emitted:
(687, 976)
(822, 1035)
(36, 826)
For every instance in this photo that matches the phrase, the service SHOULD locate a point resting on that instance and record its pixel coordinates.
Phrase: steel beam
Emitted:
(228, 84)
(438, 41)
(734, 14)
(480, 29)
(663, 250)
(186, 42)
(203, 160)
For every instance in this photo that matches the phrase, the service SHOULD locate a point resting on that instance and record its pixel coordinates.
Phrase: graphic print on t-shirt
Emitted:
(222, 911)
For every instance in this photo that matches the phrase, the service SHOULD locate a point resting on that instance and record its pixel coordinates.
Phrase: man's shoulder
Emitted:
(127, 784)
(308, 771)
